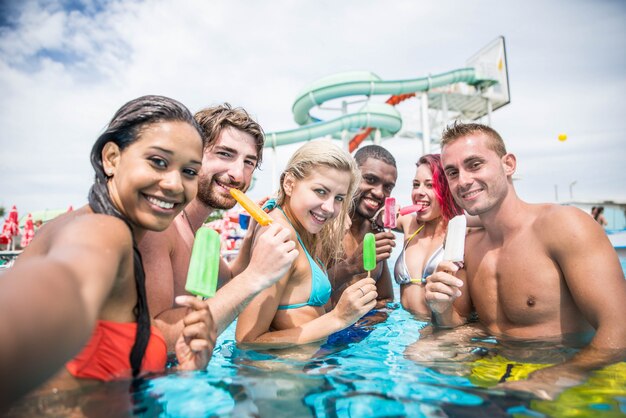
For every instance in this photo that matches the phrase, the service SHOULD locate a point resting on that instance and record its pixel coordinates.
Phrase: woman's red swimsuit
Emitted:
(106, 355)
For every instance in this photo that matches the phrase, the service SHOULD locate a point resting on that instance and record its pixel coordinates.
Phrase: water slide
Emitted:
(381, 116)
(484, 70)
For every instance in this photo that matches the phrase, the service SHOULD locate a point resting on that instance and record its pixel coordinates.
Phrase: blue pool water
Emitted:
(366, 371)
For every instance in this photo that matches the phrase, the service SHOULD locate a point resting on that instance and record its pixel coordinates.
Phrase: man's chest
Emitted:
(514, 285)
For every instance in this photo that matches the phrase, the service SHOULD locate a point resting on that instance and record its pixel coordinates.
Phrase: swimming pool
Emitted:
(364, 372)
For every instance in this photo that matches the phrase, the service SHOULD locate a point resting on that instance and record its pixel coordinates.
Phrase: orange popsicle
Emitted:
(252, 208)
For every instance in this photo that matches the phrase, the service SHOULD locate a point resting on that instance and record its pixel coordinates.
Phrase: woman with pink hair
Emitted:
(424, 233)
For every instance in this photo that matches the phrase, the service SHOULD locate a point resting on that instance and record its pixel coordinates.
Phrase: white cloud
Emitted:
(64, 72)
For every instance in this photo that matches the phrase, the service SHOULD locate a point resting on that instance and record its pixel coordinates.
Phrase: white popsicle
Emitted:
(455, 239)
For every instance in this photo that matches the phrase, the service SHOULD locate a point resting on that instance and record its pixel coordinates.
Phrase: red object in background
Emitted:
(71, 208)
(10, 227)
(29, 231)
(13, 221)
(5, 236)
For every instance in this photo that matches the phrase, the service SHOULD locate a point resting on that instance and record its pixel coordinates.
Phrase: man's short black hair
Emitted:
(376, 152)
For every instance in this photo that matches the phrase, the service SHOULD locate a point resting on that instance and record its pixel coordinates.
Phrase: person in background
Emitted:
(233, 150)
(599, 216)
(313, 201)
(378, 178)
(76, 295)
(424, 233)
(534, 272)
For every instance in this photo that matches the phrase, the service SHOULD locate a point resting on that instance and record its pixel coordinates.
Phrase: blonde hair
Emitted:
(328, 243)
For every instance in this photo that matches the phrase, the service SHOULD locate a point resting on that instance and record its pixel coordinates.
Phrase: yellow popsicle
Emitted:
(252, 208)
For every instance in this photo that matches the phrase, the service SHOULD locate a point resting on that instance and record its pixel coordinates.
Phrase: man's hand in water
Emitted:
(441, 290)
(546, 383)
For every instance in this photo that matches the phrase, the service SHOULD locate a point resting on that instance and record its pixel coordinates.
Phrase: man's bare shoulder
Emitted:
(551, 217)
(164, 241)
(562, 226)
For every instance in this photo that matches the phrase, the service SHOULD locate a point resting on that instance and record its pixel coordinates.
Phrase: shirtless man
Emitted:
(536, 271)
(233, 150)
(378, 178)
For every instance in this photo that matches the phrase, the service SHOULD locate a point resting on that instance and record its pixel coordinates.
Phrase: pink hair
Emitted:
(449, 208)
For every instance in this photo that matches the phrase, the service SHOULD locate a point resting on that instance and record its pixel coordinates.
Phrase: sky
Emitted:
(67, 66)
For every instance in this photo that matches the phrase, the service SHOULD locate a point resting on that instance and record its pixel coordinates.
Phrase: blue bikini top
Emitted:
(320, 285)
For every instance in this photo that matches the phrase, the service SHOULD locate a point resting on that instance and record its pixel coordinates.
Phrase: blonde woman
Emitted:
(315, 193)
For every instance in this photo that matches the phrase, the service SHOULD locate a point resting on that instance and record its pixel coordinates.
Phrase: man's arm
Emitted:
(41, 294)
(273, 254)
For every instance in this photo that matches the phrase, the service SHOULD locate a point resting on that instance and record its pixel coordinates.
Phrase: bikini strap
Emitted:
(415, 233)
(294, 230)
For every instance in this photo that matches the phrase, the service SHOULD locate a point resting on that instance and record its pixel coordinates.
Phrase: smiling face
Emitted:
(318, 198)
(377, 182)
(152, 179)
(230, 162)
(423, 194)
(479, 179)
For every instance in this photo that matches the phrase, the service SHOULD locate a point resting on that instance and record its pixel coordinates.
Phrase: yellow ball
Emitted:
(562, 137)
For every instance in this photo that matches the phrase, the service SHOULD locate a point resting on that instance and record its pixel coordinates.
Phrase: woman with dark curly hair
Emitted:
(82, 274)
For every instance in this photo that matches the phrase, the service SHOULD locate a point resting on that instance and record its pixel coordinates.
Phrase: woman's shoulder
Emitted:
(97, 229)
(280, 217)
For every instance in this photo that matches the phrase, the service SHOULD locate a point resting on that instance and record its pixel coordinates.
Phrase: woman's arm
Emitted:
(355, 302)
(49, 303)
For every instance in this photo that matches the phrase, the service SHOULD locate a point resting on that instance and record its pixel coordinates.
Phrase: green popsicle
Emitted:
(204, 264)
(369, 252)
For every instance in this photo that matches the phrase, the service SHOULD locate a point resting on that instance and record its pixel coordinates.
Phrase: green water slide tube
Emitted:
(375, 115)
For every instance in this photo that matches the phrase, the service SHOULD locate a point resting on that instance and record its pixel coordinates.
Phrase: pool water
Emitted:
(369, 370)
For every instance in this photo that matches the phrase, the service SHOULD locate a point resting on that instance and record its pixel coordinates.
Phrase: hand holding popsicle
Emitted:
(204, 264)
(369, 253)
(252, 208)
(443, 287)
(195, 344)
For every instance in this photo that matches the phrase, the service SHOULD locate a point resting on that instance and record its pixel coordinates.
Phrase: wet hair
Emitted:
(458, 130)
(124, 129)
(449, 208)
(376, 152)
(302, 164)
(213, 120)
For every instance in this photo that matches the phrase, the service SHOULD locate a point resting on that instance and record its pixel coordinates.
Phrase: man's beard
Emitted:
(363, 213)
(213, 200)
